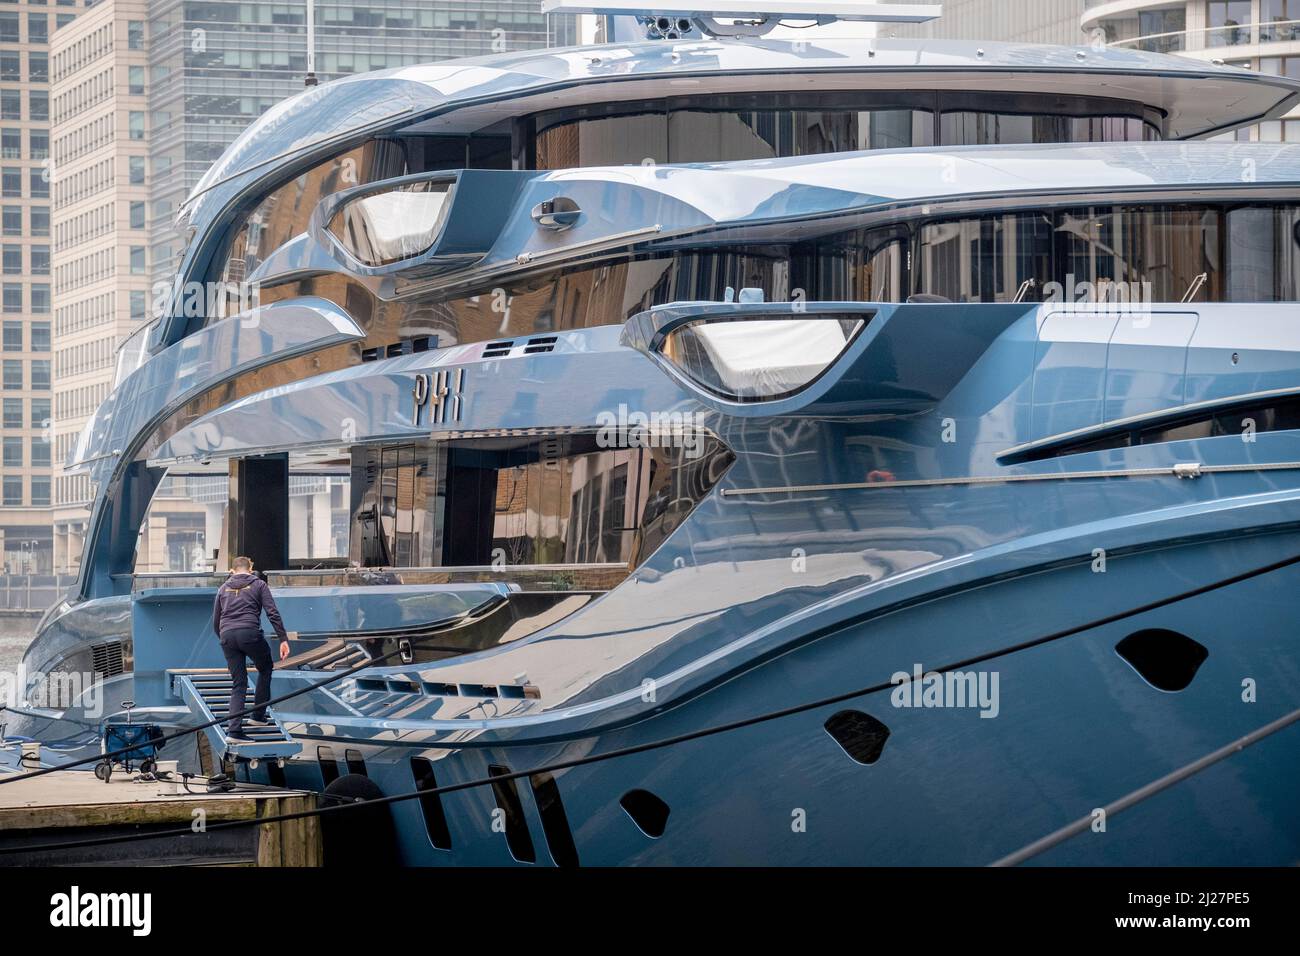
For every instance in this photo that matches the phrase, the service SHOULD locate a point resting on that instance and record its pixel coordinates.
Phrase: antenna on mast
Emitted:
(310, 80)
(674, 19)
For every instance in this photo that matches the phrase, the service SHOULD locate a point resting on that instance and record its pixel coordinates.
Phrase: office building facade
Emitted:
(1014, 21)
(100, 208)
(26, 471)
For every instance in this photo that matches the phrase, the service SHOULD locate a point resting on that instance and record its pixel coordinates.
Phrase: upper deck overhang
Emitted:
(1194, 98)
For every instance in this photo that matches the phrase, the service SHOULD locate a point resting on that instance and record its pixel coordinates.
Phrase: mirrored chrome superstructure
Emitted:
(642, 388)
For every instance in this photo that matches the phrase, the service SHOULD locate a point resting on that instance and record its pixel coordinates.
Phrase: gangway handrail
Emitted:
(454, 623)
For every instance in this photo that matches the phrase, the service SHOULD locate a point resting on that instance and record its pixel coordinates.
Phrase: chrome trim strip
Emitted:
(1181, 470)
(545, 255)
(520, 264)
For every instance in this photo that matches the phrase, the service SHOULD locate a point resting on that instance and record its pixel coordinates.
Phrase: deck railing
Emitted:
(33, 593)
(1217, 38)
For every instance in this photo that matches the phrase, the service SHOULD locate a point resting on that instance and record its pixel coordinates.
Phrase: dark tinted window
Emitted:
(749, 127)
(1278, 414)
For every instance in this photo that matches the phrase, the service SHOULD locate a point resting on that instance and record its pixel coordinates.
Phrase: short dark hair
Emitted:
(242, 563)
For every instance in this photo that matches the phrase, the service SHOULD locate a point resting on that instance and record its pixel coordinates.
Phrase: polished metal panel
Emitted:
(65, 639)
(1146, 363)
(224, 351)
(1070, 370)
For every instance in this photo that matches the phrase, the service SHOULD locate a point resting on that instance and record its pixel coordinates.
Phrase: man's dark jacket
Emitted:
(239, 605)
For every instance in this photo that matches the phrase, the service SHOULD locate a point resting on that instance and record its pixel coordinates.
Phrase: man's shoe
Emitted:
(238, 735)
(257, 723)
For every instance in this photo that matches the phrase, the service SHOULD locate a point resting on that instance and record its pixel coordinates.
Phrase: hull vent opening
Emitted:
(860, 735)
(518, 838)
(647, 811)
(329, 767)
(356, 763)
(435, 818)
(497, 349)
(555, 823)
(1164, 659)
(275, 774)
(362, 838)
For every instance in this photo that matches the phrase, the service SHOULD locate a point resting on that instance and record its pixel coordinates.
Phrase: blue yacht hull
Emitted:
(1077, 729)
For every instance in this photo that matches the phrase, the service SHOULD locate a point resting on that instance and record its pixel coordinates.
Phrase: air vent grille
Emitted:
(533, 346)
(398, 685)
(542, 344)
(419, 343)
(106, 659)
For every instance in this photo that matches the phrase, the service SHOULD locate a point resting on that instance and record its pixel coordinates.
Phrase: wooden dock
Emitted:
(74, 805)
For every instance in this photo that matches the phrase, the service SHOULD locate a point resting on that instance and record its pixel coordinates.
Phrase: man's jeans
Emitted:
(237, 645)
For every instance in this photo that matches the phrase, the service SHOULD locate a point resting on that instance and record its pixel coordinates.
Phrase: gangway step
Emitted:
(207, 693)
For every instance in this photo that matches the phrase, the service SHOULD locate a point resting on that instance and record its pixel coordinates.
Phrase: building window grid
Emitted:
(86, 357)
(79, 402)
(90, 181)
(13, 413)
(12, 491)
(86, 50)
(85, 226)
(14, 456)
(85, 313)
